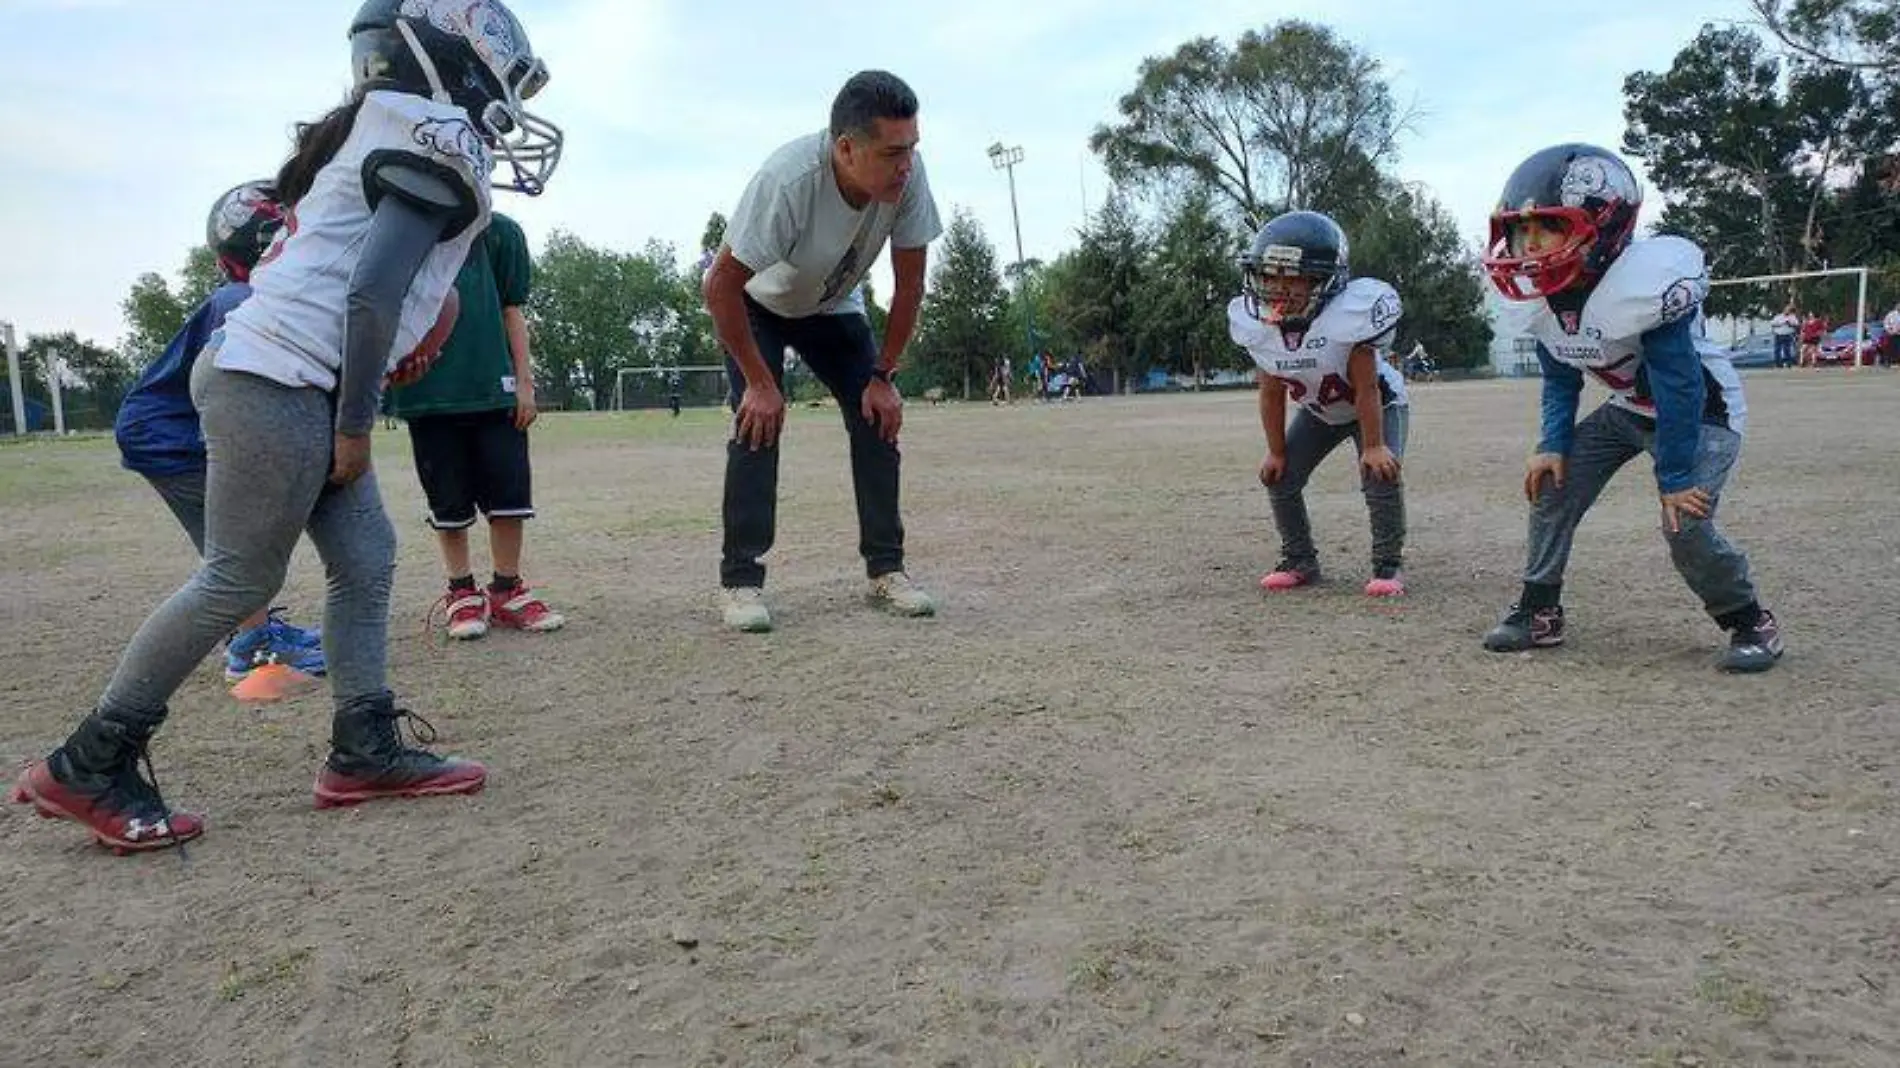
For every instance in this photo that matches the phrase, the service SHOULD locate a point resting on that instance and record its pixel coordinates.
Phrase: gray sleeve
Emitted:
(917, 221)
(763, 228)
(401, 235)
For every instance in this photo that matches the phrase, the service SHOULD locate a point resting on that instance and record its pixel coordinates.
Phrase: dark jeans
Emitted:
(1784, 350)
(840, 351)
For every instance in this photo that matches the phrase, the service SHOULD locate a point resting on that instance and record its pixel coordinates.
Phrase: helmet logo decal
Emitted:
(454, 138)
(241, 206)
(486, 29)
(1590, 178)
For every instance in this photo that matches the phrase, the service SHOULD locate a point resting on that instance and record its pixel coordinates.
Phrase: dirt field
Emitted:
(1114, 808)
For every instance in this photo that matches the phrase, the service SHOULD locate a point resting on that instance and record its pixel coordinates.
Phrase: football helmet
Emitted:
(242, 225)
(470, 53)
(1303, 244)
(1586, 193)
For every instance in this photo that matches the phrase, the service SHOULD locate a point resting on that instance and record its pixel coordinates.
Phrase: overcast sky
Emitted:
(123, 119)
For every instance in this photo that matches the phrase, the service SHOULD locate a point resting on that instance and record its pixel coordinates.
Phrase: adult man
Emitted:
(1784, 327)
(1891, 324)
(801, 240)
(468, 426)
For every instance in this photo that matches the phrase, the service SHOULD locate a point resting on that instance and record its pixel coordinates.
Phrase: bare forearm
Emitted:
(725, 302)
(902, 324)
(1367, 400)
(1371, 418)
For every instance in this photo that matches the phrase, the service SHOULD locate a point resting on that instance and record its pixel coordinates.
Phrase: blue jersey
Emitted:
(157, 428)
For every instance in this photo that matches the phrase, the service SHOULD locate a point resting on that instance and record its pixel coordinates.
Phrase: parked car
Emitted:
(1755, 350)
(1838, 346)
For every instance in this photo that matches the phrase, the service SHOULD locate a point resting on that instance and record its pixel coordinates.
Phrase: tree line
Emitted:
(1773, 146)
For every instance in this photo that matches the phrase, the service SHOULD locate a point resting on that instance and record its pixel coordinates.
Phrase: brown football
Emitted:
(413, 366)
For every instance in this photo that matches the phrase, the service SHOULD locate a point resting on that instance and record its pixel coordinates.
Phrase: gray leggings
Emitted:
(267, 481)
(1309, 441)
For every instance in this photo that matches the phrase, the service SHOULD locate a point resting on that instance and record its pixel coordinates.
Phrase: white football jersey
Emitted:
(291, 330)
(1656, 281)
(1313, 367)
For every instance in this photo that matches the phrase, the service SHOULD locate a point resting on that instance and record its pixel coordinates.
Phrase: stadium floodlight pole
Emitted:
(1006, 159)
(13, 377)
(1860, 306)
(52, 386)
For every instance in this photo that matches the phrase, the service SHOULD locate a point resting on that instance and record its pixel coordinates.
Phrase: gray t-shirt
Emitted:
(807, 248)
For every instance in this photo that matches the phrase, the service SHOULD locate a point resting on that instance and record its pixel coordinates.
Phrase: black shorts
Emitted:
(470, 461)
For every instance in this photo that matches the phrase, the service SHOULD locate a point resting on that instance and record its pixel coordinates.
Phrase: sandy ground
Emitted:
(1114, 808)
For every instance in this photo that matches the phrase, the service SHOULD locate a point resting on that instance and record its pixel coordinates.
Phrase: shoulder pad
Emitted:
(421, 182)
(1247, 331)
(441, 132)
(1365, 310)
(1655, 281)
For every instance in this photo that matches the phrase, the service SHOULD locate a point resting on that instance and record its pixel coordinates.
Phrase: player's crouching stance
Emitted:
(1628, 313)
(387, 194)
(1313, 331)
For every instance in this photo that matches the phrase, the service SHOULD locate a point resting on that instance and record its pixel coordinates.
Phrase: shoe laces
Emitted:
(441, 609)
(421, 731)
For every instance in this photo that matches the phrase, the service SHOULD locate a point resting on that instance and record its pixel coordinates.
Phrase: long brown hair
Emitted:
(317, 145)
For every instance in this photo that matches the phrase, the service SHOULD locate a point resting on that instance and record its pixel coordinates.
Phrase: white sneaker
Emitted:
(897, 593)
(743, 608)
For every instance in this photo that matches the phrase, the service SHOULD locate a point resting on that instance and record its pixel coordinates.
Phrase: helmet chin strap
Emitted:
(436, 90)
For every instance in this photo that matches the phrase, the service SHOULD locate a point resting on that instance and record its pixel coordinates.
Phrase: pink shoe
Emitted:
(1290, 575)
(1387, 581)
(521, 609)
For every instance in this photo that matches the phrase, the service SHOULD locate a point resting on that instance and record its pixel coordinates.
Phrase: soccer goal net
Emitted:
(1822, 294)
(654, 387)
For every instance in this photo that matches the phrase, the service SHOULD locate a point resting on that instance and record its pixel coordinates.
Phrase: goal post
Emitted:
(1860, 301)
(637, 388)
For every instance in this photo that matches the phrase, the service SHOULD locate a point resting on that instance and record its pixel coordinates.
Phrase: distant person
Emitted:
(1813, 328)
(1785, 327)
(1890, 348)
(1078, 379)
(999, 382)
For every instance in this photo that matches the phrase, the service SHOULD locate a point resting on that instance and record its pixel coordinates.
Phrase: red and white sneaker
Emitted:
(466, 612)
(123, 811)
(520, 609)
(1290, 575)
